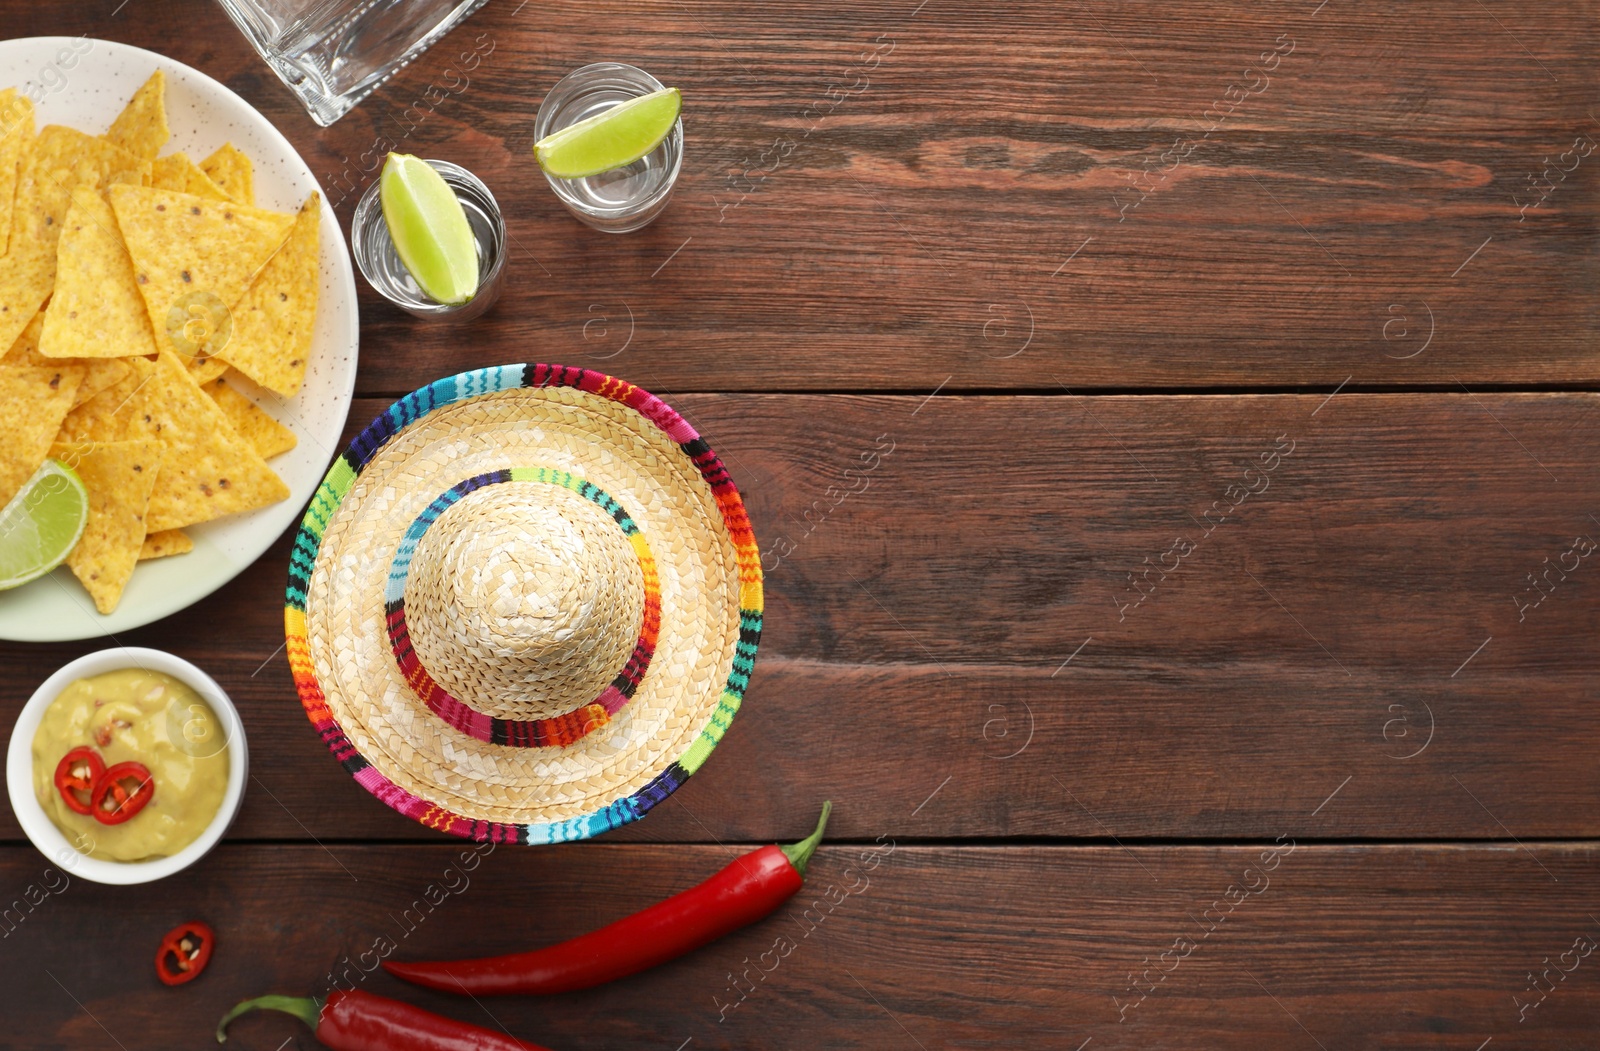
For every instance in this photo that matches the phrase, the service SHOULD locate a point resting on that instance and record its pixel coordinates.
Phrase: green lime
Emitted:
(41, 524)
(429, 229)
(613, 139)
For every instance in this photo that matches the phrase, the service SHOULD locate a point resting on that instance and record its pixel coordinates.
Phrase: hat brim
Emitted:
(635, 447)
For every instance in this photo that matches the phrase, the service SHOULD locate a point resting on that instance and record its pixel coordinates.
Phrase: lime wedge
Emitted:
(613, 139)
(41, 524)
(429, 229)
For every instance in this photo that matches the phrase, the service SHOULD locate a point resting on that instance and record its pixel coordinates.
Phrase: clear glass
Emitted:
(380, 264)
(333, 53)
(628, 198)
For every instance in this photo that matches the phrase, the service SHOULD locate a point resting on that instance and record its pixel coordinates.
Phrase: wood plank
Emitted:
(1380, 947)
(963, 595)
(982, 200)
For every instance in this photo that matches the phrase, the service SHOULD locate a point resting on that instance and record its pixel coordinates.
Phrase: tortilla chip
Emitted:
(271, 339)
(33, 402)
(61, 160)
(254, 425)
(96, 310)
(98, 373)
(207, 469)
(25, 283)
(141, 127)
(167, 542)
(231, 169)
(189, 252)
(126, 410)
(119, 477)
(177, 172)
(16, 132)
(205, 370)
(25, 351)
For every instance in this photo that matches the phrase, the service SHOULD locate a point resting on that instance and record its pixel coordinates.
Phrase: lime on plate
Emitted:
(429, 229)
(41, 524)
(613, 139)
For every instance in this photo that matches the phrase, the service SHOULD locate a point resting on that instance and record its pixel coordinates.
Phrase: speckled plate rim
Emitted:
(87, 89)
(343, 474)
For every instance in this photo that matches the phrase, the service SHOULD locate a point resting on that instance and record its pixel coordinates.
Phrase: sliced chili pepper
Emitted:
(353, 1020)
(77, 773)
(121, 792)
(746, 890)
(185, 951)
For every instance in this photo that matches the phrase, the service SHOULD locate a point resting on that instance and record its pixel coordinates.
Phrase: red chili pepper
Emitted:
(184, 953)
(742, 893)
(121, 792)
(77, 772)
(358, 1021)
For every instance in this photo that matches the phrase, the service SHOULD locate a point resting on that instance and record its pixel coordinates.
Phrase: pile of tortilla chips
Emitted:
(132, 288)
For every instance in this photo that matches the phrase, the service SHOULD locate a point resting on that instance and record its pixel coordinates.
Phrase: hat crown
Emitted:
(524, 600)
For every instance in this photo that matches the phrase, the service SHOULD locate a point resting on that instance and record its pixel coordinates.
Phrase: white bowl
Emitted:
(43, 832)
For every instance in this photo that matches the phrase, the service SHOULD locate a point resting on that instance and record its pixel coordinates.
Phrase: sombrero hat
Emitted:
(524, 604)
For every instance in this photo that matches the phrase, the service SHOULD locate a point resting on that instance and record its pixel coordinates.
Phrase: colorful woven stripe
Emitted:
(560, 730)
(342, 474)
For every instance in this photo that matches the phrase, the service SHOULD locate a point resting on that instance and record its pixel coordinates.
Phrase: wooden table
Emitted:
(1202, 622)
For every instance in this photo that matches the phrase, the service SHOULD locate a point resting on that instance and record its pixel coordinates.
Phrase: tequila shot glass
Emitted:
(381, 265)
(623, 199)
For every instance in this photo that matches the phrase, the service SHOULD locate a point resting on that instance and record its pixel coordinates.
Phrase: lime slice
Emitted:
(429, 229)
(613, 139)
(41, 524)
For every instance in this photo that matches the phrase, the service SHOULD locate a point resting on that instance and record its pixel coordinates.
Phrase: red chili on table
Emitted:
(360, 1021)
(748, 889)
(76, 775)
(184, 953)
(121, 792)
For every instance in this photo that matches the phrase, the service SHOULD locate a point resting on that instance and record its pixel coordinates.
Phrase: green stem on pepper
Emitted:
(749, 888)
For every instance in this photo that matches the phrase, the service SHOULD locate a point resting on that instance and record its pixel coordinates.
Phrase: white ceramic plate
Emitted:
(84, 83)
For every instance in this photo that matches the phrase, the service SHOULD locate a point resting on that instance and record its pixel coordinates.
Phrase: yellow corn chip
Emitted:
(177, 172)
(33, 403)
(192, 259)
(119, 477)
(16, 132)
(207, 469)
(25, 351)
(127, 409)
(231, 169)
(141, 127)
(271, 338)
(96, 310)
(25, 282)
(61, 160)
(266, 435)
(98, 373)
(167, 542)
(205, 370)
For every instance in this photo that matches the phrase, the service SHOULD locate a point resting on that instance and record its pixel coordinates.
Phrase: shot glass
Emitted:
(381, 265)
(625, 199)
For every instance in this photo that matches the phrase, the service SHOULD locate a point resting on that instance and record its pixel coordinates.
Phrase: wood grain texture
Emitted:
(890, 195)
(1381, 947)
(949, 598)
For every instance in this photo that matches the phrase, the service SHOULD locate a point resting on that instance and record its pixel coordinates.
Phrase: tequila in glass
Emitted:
(381, 265)
(623, 199)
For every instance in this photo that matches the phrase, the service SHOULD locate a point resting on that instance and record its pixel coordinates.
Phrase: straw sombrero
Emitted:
(524, 604)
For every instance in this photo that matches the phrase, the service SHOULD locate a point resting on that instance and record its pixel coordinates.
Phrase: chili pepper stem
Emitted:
(799, 854)
(305, 1008)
